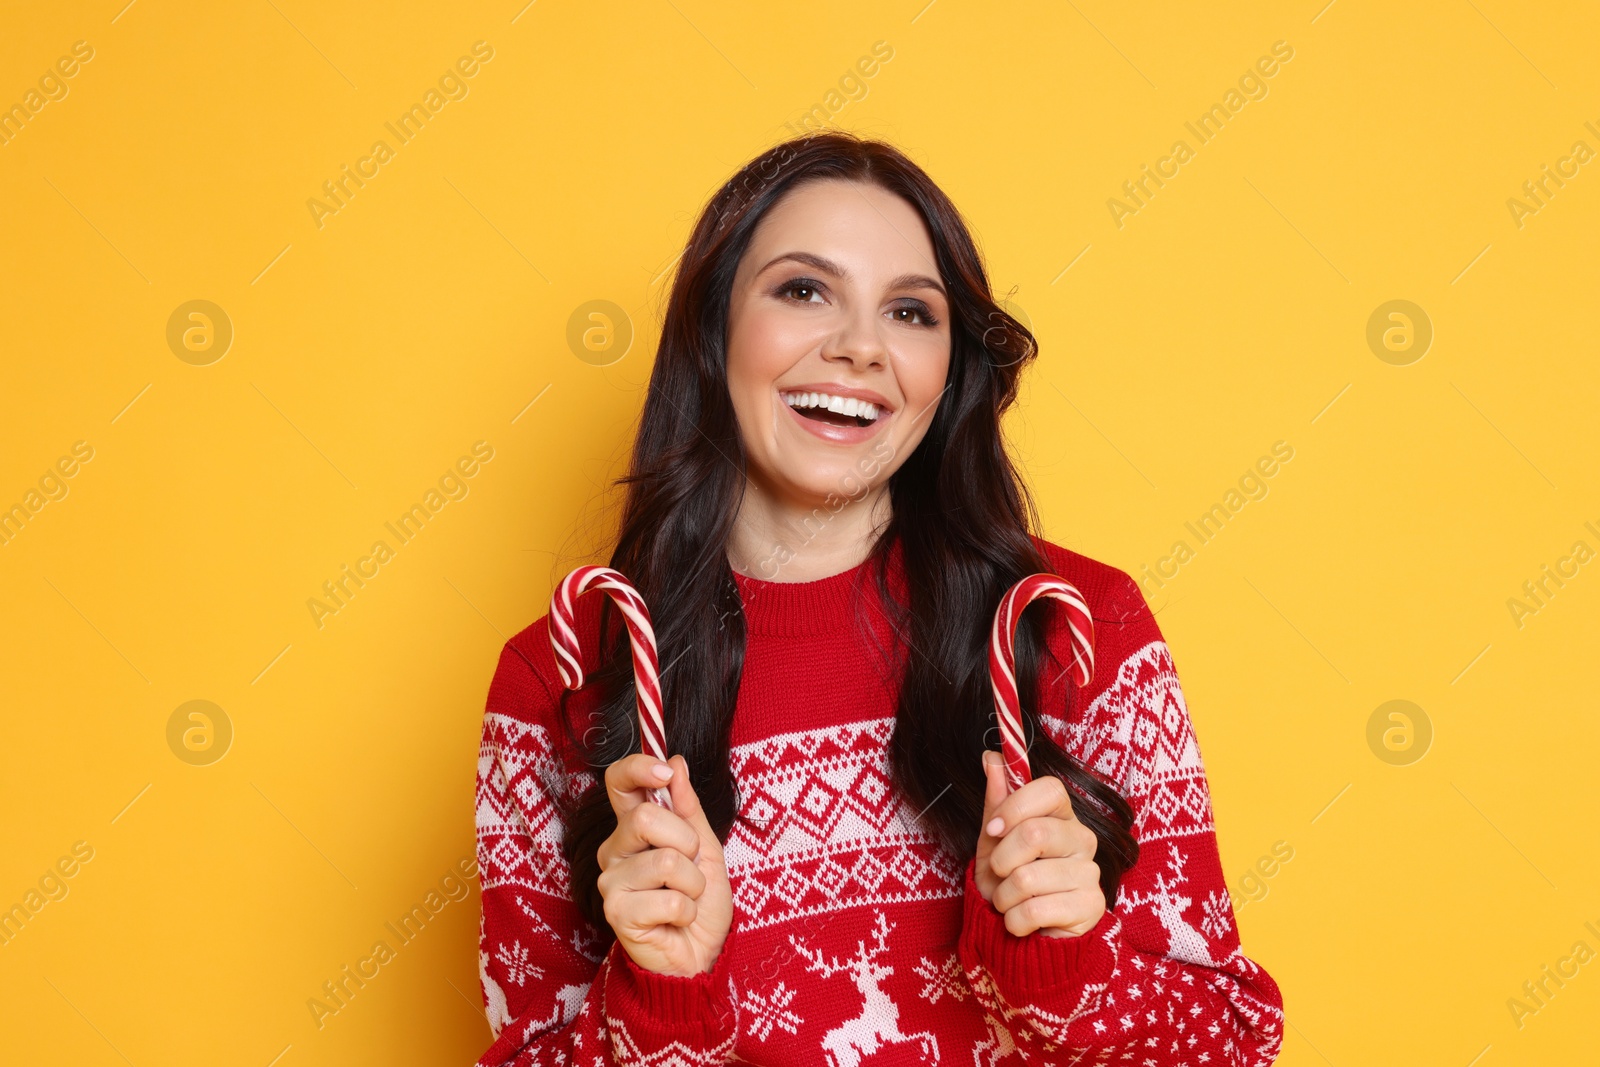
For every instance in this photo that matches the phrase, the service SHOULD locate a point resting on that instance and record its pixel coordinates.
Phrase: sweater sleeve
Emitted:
(1161, 978)
(553, 992)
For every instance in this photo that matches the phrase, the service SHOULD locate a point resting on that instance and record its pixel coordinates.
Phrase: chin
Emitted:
(831, 483)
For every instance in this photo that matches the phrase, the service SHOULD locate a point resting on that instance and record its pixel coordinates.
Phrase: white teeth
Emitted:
(844, 405)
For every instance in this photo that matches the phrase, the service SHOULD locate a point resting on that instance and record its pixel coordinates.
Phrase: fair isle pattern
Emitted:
(942, 979)
(626, 1050)
(1025, 1030)
(769, 1010)
(1165, 996)
(877, 1024)
(519, 830)
(1029, 1027)
(582, 1048)
(1137, 735)
(1149, 994)
(823, 833)
(822, 828)
(1169, 903)
(1123, 1029)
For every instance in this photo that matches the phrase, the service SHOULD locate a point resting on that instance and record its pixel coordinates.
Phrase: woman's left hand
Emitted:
(1035, 859)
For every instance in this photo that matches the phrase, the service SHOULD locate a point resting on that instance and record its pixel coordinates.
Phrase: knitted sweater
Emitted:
(856, 939)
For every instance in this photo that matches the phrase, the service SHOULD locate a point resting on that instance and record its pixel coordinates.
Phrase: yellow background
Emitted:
(1229, 313)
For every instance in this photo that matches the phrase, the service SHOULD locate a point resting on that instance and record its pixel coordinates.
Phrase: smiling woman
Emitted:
(834, 305)
(842, 870)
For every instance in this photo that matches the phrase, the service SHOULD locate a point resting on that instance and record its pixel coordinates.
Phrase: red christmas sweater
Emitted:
(856, 939)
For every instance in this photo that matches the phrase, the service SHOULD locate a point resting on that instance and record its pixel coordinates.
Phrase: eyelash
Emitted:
(928, 318)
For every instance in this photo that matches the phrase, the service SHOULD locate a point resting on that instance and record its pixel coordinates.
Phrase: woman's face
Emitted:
(838, 295)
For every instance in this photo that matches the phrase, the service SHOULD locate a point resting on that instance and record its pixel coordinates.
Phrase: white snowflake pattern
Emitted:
(518, 968)
(1218, 918)
(772, 1010)
(942, 979)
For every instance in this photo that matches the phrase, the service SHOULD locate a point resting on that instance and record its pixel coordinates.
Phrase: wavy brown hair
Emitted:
(683, 488)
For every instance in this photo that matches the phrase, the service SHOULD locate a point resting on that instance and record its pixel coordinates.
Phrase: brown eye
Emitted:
(805, 286)
(922, 316)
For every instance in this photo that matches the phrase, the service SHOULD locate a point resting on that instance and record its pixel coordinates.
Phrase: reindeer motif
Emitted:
(494, 997)
(1186, 943)
(878, 1024)
(569, 1001)
(995, 1046)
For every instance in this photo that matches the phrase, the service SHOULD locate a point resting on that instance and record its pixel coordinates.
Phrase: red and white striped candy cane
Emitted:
(646, 669)
(1002, 661)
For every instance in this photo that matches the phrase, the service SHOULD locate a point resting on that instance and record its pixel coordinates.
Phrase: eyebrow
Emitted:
(822, 263)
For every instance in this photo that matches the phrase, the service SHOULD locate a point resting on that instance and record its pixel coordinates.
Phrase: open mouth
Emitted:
(834, 410)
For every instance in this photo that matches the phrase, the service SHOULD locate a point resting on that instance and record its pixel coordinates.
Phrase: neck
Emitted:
(789, 539)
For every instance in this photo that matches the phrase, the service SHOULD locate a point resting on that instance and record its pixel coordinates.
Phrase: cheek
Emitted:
(751, 373)
(922, 371)
(763, 347)
(765, 342)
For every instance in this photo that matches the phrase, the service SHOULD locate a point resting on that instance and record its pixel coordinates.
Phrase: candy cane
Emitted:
(646, 672)
(1002, 661)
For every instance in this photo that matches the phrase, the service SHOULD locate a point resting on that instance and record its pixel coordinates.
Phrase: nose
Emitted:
(857, 341)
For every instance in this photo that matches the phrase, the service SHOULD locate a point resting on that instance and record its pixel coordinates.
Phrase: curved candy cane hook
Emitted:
(1002, 660)
(642, 636)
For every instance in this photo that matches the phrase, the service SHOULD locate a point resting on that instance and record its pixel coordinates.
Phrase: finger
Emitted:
(686, 803)
(656, 868)
(629, 780)
(994, 791)
(1045, 795)
(648, 826)
(638, 913)
(684, 799)
(994, 782)
(1042, 878)
(1038, 838)
(1072, 914)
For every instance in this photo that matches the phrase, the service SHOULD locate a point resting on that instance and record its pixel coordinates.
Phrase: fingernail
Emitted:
(661, 771)
(995, 826)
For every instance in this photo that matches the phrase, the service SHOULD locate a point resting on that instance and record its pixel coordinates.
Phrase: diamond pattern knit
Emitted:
(856, 939)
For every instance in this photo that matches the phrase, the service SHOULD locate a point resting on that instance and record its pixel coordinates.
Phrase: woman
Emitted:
(822, 518)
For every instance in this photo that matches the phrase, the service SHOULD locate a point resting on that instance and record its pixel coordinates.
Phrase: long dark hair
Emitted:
(683, 489)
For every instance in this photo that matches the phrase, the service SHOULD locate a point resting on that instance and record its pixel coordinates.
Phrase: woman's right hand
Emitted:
(662, 873)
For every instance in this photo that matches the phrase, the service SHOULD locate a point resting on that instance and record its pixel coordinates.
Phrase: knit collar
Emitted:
(825, 605)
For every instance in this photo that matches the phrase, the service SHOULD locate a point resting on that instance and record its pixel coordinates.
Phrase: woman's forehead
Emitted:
(861, 230)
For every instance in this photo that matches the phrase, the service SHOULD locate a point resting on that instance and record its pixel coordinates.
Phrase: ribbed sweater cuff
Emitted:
(692, 1010)
(1035, 968)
